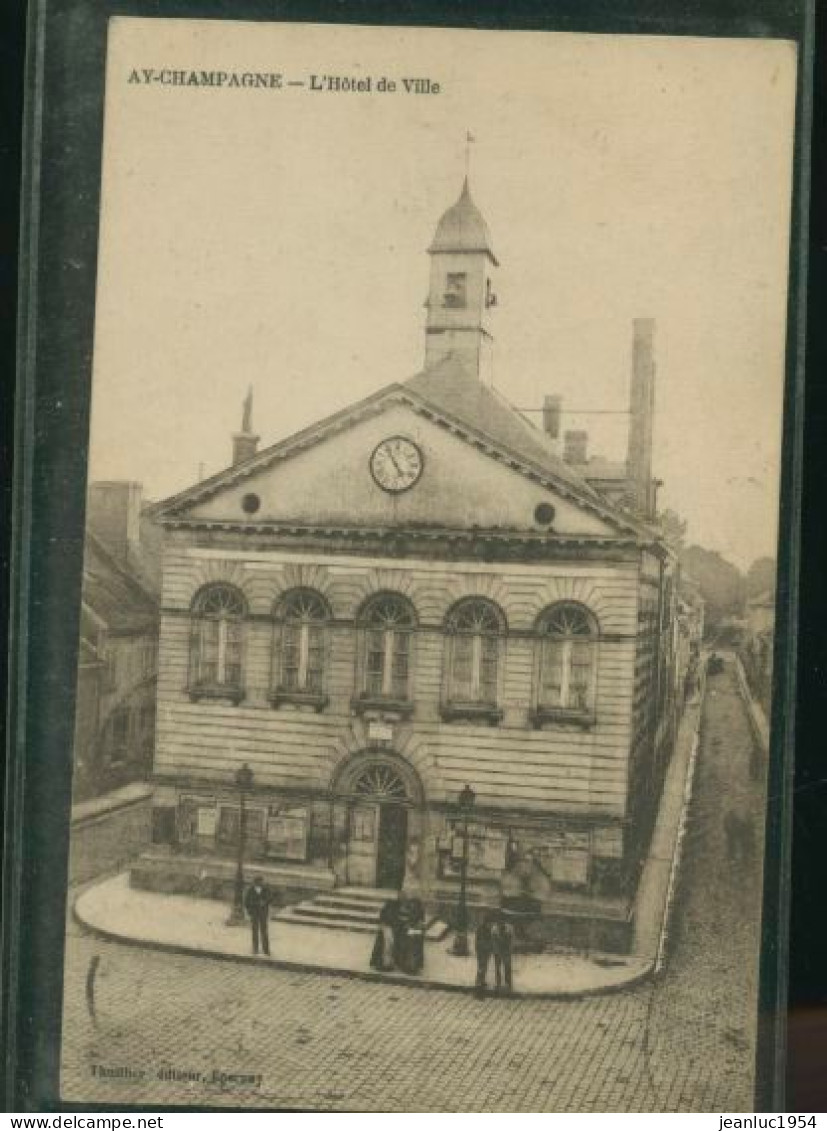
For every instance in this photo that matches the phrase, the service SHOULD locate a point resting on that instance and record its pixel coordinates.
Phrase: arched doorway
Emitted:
(379, 793)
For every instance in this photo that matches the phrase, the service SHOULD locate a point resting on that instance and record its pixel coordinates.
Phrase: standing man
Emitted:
(502, 945)
(257, 905)
(482, 947)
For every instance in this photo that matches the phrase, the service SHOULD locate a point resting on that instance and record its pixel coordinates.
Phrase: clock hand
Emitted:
(399, 470)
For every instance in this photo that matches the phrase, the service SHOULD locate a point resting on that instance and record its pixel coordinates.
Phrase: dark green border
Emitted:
(63, 129)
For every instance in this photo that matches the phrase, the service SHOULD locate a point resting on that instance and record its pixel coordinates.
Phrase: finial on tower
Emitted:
(469, 141)
(245, 442)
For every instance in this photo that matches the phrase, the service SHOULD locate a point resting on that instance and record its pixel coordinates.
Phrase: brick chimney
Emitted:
(552, 410)
(245, 442)
(642, 417)
(575, 447)
(113, 514)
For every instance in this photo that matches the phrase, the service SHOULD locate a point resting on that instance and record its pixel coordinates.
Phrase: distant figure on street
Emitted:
(257, 905)
(483, 949)
(502, 946)
(382, 955)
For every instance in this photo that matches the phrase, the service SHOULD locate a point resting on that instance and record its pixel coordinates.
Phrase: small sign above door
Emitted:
(380, 732)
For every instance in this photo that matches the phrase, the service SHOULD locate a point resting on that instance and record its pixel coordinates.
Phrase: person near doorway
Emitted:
(502, 946)
(382, 955)
(483, 950)
(257, 905)
(411, 937)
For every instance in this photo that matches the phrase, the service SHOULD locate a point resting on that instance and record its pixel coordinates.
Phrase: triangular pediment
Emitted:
(479, 471)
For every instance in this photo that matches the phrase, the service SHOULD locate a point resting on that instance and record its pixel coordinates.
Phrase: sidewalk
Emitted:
(198, 926)
(188, 925)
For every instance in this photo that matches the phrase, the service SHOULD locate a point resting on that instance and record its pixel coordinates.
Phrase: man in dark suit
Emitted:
(483, 948)
(502, 945)
(257, 905)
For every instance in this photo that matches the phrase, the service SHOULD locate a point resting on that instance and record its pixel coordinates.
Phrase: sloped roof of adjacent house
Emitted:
(114, 593)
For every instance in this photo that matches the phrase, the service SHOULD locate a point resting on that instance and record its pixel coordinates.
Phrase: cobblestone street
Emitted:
(316, 1041)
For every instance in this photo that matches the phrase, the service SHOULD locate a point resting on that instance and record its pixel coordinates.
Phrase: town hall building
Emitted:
(421, 593)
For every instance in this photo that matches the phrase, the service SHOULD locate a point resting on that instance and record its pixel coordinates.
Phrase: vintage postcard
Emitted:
(426, 646)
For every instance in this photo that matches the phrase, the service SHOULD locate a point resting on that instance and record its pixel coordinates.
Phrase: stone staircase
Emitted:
(347, 909)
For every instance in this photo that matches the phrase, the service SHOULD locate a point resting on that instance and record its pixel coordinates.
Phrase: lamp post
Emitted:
(466, 805)
(244, 782)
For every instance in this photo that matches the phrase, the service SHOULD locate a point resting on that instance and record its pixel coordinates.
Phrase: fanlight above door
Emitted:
(380, 781)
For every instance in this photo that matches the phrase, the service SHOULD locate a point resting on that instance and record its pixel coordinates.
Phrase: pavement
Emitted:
(190, 925)
(145, 1026)
(198, 926)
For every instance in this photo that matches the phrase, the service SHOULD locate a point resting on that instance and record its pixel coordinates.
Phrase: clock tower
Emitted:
(462, 297)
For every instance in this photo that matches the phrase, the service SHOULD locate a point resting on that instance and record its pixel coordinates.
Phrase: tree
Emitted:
(761, 577)
(720, 582)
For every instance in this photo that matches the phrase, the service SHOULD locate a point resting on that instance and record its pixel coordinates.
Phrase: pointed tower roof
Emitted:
(462, 228)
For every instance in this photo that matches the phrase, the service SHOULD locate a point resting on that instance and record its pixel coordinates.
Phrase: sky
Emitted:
(277, 238)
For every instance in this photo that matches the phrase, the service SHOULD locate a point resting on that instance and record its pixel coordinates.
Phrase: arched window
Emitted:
(387, 622)
(566, 661)
(474, 627)
(302, 616)
(216, 642)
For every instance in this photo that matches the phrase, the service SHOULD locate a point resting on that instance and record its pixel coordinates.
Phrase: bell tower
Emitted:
(462, 295)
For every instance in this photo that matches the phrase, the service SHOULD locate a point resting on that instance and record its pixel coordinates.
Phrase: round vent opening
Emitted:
(544, 514)
(250, 503)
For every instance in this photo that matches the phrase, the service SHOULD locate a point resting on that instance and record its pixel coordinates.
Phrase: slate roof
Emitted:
(117, 596)
(463, 228)
(451, 387)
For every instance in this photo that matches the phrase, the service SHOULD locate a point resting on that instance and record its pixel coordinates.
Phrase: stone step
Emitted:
(376, 896)
(348, 903)
(312, 910)
(288, 915)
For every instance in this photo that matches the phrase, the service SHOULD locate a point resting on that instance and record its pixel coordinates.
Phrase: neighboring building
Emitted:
(115, 711)
(757, 645)
(420, 592)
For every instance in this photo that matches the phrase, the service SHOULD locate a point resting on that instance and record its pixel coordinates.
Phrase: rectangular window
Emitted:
(287, 834)
(206, 646)
(363, 823)
(315, 657)
(488, 674)
(375, 662)
(254, 825)
(291, 656)
(399, 678)
(232, 656)
(581, 670)
(462, 669)
(456, 290)
(551, 673)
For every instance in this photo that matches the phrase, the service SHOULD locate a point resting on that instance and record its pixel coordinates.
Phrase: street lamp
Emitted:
(466, 805)
(244, 782)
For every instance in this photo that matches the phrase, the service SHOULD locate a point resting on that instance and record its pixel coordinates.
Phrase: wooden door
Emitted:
(393, 843)
(363, 834)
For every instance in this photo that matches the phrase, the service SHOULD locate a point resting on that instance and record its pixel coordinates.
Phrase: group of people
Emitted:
(494, 938)
(400, 937)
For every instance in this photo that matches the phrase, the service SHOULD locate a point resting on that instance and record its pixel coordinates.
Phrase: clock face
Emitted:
(396, 464)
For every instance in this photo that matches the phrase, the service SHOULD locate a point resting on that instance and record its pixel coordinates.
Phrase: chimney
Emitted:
(575, 447)
(113, 514)
(552, 408)
(245, 442)
(642, 417)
